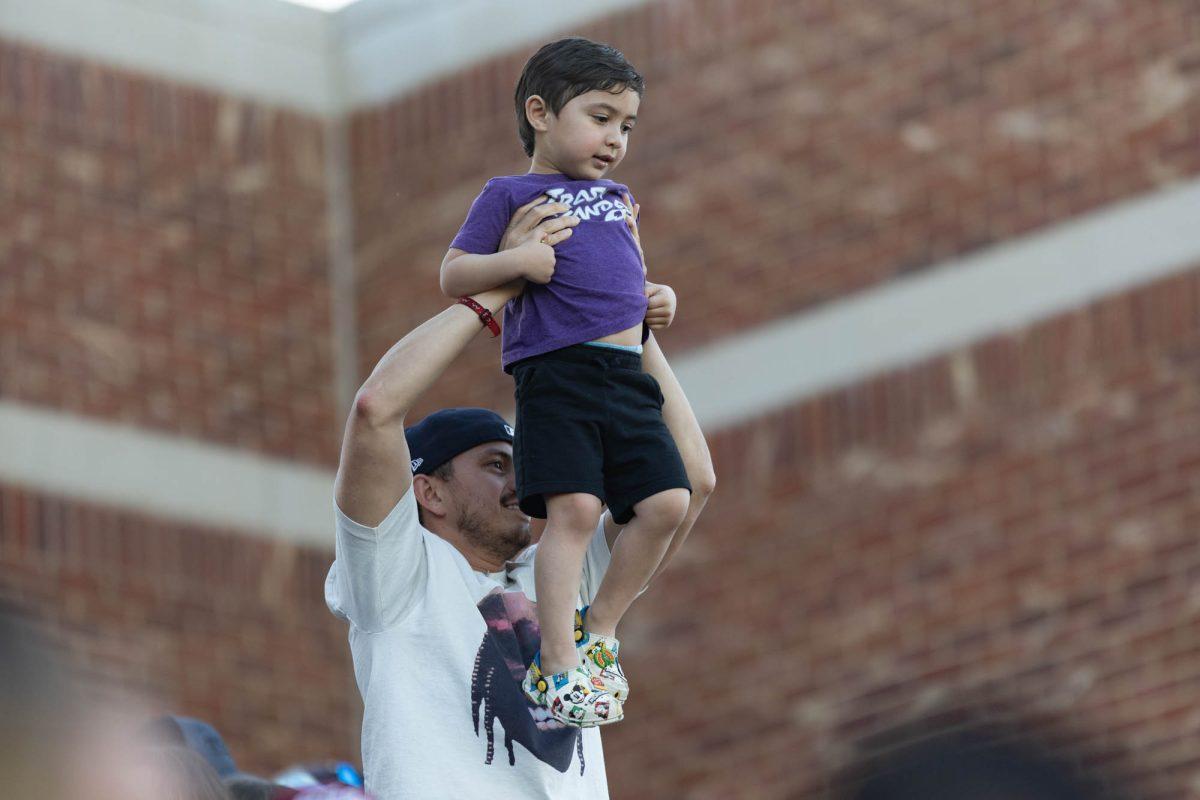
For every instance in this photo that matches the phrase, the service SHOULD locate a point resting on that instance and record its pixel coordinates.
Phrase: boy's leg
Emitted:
(646, 485)
(635, 557)
(558, 457)
(571, 521)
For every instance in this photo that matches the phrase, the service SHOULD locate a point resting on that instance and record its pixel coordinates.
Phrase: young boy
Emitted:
(589, 420)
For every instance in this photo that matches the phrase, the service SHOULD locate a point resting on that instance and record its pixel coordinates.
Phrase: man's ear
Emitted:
(537, 113)
(429, 495)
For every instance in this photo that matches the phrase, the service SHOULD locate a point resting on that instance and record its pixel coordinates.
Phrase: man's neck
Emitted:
(480, 559)
(481, 563)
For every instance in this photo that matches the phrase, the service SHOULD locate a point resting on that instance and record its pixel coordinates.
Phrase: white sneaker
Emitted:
(574, 697)
(600, 657)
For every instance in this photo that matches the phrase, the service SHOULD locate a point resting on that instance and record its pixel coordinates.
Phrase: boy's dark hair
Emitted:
(563, 70)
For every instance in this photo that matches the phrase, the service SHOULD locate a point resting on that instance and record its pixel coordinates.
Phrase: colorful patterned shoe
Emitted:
(600, 658)
(574, 697)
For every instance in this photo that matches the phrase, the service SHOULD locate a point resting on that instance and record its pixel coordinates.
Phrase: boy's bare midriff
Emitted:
(630, 336)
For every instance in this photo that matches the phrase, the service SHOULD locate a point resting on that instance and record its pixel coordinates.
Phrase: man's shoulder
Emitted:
(400, 531)
(402, 515)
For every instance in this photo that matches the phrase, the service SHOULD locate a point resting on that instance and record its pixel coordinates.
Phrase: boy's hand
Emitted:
(660, 305)
(537, 261)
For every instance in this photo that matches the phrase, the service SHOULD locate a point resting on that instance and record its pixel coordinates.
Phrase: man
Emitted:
(434, 573)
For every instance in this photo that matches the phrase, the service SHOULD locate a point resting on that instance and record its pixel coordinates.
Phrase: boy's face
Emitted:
(587, 139)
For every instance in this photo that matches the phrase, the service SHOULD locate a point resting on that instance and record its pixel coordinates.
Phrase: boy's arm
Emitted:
(465, 273)
(697, 460)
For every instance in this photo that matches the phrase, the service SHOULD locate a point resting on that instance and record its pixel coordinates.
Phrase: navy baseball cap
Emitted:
(444, 434)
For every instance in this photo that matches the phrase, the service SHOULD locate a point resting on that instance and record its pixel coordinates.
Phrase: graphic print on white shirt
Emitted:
(512, 639)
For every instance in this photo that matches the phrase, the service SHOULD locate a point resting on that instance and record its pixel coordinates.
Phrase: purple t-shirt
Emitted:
(598, 283)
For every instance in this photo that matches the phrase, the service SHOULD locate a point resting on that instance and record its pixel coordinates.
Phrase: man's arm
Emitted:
(374, 470)
(681, 421)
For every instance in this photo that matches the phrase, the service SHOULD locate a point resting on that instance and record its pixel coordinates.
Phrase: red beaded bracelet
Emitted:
(485, 316)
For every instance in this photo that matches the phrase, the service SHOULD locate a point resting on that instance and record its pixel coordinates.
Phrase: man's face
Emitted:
(588, 137)
(482, 495)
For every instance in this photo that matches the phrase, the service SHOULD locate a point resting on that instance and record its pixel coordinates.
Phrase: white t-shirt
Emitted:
(439, 651)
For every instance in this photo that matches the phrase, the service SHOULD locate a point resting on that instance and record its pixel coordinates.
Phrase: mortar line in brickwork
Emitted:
(947, 306)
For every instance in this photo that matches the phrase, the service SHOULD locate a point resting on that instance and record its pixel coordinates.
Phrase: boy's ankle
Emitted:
(597, 624)
(552, 666)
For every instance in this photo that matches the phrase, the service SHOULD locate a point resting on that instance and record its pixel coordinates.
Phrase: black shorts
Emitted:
(590, 420)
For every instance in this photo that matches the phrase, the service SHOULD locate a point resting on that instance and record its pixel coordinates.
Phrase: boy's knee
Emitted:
(665, 510)
(577, 512)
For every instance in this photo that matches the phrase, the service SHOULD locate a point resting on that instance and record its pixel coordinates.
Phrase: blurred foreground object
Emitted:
(36, 725)
(953, 757)
(176, 772)
(53, 744)
(197, 736)
(247, 787)
(333, 780)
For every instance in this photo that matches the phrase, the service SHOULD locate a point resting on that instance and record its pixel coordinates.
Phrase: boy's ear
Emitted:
(537, 113)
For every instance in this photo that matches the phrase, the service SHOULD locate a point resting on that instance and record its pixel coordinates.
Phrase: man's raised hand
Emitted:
(535, 228)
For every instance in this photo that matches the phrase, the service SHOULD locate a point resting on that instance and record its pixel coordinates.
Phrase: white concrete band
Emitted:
(391, 46)
(176, 478)
(319, 62)
(903, 321)
(779, 364)
(266, 50)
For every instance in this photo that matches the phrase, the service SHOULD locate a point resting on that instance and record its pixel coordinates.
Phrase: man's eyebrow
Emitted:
(492, 452)
(612, 110)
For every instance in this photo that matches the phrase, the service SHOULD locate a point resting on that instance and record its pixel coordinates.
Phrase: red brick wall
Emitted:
(188, 620)
(164, 257)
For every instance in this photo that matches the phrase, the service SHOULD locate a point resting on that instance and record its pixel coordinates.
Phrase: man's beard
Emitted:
(501, 540)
